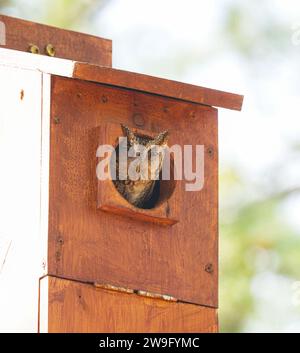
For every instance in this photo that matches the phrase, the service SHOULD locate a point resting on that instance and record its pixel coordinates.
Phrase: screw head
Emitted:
(192, 114)
(50, 50)
(60, 240)
(33, 49)
(209, 268)
(210, 151)
(104, 99)
(56, 120)
(138, 119)
(57, 256)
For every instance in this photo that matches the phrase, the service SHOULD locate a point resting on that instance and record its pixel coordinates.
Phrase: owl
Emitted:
(139, 183)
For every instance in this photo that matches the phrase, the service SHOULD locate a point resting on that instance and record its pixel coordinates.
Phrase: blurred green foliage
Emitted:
(253, 238)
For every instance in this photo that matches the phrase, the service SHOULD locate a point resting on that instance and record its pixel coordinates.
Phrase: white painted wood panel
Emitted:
(20, 166)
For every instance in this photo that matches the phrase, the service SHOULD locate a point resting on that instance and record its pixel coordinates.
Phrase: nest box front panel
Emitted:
(95, 234)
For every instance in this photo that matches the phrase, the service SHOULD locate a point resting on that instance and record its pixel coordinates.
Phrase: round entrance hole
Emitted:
(162, 190)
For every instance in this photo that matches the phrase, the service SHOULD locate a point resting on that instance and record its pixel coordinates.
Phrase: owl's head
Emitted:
(149, 151)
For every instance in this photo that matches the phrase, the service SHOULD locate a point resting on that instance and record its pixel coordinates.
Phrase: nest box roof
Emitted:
(160, 86)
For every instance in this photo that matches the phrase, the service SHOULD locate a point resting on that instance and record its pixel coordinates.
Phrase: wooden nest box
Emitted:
(75, 255)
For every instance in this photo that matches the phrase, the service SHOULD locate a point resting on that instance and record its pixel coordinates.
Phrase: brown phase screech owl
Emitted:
(139, 183)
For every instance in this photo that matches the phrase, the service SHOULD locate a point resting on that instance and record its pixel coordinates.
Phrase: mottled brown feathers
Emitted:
(142, 192)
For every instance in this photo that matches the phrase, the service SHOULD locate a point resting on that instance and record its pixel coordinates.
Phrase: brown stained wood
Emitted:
(158, 86)
(110, 200)
(93, 246)
(81, 308)
(76, 46)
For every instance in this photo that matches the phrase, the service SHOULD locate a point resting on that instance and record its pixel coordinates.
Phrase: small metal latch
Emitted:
(156, 296)
(114, 288)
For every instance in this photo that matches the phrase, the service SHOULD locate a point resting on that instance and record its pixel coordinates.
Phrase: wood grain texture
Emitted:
(76, 307)
(94, 246)
(68, 44)
(158, 86)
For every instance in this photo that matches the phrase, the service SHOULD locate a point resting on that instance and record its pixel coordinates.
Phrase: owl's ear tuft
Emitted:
(129, 134)
(161, 139)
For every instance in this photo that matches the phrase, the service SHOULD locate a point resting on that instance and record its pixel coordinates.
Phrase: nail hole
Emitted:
(56, 120)
(209, 268)
(60, 240)
(104, 99)
(138, 119)
(210, 151)
(192, 114)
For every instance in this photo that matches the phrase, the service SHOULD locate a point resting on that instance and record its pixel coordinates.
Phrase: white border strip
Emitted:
(54, 66)
(45, 161)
